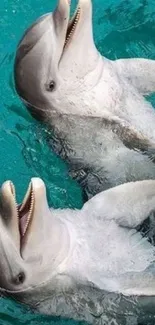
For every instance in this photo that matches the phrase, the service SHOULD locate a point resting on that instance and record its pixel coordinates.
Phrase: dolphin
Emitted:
(89, 264)
(100, 120)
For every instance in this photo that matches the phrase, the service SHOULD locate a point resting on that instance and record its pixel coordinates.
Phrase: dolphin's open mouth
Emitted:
(24, 210)
(72, 25)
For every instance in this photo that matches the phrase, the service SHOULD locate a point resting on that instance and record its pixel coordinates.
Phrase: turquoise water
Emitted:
(122, 29)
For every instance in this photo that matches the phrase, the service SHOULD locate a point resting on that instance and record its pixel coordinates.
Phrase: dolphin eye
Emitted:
(51, 85)
(19, 279)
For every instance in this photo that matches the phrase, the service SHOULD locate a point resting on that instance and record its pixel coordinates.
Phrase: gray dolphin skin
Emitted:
(102, 124)
(89, 264)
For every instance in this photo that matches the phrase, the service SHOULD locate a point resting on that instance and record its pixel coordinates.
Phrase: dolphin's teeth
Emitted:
(26, 210)
(14, 195)
(74, 23)
(22, 206)
(29, 214)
